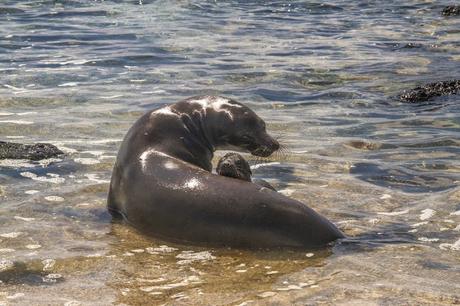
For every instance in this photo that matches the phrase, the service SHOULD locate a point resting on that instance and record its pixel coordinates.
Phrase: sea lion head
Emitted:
(234, 165)
(236, 127)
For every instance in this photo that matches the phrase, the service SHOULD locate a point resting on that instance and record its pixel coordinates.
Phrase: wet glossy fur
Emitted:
(162, 184)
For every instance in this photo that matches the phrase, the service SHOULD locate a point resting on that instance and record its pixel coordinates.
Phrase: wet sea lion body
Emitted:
(162, 182)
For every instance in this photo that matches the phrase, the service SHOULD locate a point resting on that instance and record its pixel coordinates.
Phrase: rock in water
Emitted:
(451, 10)
(36, 151)
(431, 90)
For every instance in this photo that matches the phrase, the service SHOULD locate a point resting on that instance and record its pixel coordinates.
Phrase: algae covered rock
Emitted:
(431, 90)
(38, 151)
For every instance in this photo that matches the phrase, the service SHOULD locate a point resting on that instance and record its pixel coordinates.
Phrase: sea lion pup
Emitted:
(234, 165)
(162, 182)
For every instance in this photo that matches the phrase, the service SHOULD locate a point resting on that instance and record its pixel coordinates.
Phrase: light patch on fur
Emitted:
(170, 165)
(217, 103)
(164, 111)
(145, 155)
(193, 183)
(202, 102)
(287, 192)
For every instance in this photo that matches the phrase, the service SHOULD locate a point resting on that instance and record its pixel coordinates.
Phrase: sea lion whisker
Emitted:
(285, 149)
(282, 153)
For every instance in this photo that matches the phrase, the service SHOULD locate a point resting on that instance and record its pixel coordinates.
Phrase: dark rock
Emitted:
(416, 46)
(451, 10)
(431, 90)
(36, 151)
(412, 46)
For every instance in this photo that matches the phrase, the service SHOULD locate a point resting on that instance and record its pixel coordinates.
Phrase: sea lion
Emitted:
(234, 165)
(162, 182)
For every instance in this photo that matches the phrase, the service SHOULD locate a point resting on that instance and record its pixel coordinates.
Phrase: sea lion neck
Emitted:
(183, 135)
(198, 138)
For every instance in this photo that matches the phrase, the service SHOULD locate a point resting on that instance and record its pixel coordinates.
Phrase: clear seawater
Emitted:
(323, 75)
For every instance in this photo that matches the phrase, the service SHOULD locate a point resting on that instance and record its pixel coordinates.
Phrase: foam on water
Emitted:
(54, 198)
(11, 235)
(19, 122)
(394, 213)
(427, 214)
(24, 218)
(33, 176)
(87, 161)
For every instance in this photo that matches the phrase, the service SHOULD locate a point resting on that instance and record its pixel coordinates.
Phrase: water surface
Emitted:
(323, 75)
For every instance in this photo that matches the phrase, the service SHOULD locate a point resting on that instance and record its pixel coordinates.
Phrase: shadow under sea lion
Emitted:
(162, 182)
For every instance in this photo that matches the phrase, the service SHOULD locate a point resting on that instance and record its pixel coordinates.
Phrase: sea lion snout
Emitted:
(266, 147)
(227, 169)
(274, 145)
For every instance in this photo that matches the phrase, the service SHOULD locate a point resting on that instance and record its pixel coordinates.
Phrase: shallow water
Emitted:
(324, 76)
